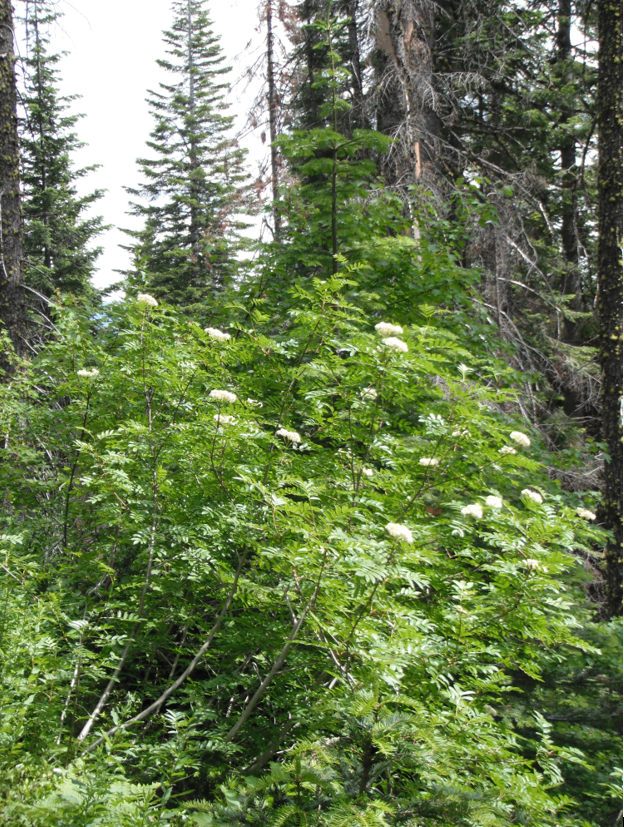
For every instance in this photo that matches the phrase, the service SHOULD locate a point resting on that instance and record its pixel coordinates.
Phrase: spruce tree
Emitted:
(194, 185)
(58, 232)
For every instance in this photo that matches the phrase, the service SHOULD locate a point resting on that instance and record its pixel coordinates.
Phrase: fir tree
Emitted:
(58, 232)
(194, 185)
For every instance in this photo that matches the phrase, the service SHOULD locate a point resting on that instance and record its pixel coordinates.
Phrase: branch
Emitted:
(190, 668)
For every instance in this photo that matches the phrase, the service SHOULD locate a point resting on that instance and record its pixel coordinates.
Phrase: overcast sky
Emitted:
(113, 46)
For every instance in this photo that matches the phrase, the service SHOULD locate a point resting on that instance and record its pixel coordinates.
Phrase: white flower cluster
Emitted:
(145, 298)
(387, 329)
(254, 403)
(368, 472)
(429, 462)
(224, 419)
(460, 433)
(507, 449)
(473, 510)
(223, 396)
(532, 564)
(88, 374)
(400, 532)
(585, 514)
(291, 436)
(218, 335)
(395, 344)
(532, 495)
(493, 502)
(521, 439)
(369, 393)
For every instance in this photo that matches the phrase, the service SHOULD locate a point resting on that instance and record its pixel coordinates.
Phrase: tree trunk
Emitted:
(572, 282)
(610, 280)
(406, 96)
(272, 101)
(351, 9)
(12, 303)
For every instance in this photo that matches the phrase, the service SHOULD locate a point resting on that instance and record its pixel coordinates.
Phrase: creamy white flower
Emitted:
(224, 419)
(223, 396)
(145, 298)
(369, 393)
(532, 495)
(254, 403)
(429, 461)
(88, 374)
(291, 436)
(507, 449)
(494, 502)
(585, 514)
(215, 333)
(400, 532)
(532, 564)
(459, 433)
(368, 472)
(520, 438)
(473, 510)
(395, 344)
(387, 329)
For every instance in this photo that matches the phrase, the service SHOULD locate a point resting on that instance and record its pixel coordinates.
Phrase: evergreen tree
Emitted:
(195, 185)
(58, 232)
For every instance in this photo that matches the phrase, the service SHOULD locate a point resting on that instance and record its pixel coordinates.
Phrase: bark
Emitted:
(405, 89)
(572, 280)
(610, 281)
(272, 95)
(12, 303)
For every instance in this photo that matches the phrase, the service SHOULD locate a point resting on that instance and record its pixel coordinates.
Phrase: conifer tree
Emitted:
(193, 189)
(58, 234)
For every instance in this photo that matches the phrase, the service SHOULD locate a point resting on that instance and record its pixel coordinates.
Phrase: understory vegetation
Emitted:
(287, 549)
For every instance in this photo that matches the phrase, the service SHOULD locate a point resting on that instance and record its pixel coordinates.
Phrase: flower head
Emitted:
(429, 462)
(215, 333)
(532, 495)
(223, 396)
(395, 344)
(145, 298)
(531, 564)
(460, 433)
(368, 472)
(473, 510)
(494, 502)
(507, 449)
(224, 419)
(585, 514)
(520, 438)
(400, 532)
(291, 436)
(369, 393)
(88, 374)
(387, 329)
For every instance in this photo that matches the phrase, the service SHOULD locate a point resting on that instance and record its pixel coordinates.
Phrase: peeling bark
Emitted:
(405, 90)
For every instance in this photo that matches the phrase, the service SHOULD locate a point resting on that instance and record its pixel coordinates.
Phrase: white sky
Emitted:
(113, 46)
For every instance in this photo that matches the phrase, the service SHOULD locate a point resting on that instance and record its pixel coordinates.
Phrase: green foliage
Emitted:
(288, 571)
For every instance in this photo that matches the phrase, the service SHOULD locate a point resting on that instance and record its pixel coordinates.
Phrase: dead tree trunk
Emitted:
(12, 303)
(405, 90)
(610, 280)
